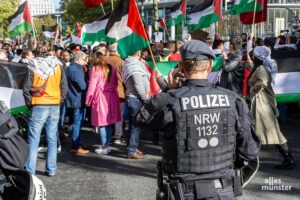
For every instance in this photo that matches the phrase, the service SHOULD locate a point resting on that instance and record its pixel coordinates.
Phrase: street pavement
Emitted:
(113, 177)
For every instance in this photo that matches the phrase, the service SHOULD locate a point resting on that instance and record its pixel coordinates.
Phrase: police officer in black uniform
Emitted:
(207, 132)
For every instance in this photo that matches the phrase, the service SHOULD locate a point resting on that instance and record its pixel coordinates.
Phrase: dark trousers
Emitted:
(134, 105)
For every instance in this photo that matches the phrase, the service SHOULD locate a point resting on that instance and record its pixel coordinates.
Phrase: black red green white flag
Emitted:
(20, 21)
(244, 6)
(256, 16)
(95, 31)
(127, 29)
(49, 31)
(205, 13)
(178, 13)
(162, 23)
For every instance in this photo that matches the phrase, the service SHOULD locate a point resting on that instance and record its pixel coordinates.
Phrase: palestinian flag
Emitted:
(288, 77)
(244, 6)
(260, 16)
(92, 3)
(75, 39)
(165, 67)
(162, 23)
(67, 40)
(95, 31)
(20, 22)
(49, 31)
(127, 28)
(205, 13)
(178, 13)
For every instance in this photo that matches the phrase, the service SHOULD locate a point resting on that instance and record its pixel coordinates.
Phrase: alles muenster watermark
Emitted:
(275, 184)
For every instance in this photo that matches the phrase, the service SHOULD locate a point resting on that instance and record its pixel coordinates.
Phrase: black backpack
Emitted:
(15, 181)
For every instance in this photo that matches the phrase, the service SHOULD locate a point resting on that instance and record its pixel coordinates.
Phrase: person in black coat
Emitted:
(233, 70)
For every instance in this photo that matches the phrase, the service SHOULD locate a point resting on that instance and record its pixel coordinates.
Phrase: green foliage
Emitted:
(69, 30)
(75, 12)
(7, 8)
(38, 22)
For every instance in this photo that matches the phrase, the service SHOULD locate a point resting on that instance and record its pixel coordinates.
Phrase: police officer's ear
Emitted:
(210, 66)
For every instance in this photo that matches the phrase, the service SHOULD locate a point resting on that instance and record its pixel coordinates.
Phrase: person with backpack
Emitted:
(15, 181)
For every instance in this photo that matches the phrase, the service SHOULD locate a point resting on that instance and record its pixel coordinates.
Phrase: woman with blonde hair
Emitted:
(102, 96)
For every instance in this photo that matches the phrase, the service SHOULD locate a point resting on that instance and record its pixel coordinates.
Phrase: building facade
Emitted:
(282, 15)
(41, 7)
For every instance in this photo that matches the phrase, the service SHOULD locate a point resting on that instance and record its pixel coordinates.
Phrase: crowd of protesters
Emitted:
(95, 84)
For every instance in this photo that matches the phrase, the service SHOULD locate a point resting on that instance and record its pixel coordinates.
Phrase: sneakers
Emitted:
(117, 141)
(140, 153)
(59, 149)
(135, 156)
(49, 174)
(80, 151)
(42, 149)
(103, 151)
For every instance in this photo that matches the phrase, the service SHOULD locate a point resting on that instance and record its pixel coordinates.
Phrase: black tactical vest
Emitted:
(205, 131)
(8, 125)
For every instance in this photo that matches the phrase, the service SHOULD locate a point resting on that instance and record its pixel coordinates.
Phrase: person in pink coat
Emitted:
(102, 96)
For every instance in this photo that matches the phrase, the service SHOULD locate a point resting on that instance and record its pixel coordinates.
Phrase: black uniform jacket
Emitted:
(157, 115)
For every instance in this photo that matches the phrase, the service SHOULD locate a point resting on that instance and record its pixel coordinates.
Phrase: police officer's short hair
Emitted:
(195, 65)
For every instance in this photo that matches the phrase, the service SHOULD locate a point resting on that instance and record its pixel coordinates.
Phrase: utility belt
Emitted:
(201, 188)
(210, 184)
(175, 189)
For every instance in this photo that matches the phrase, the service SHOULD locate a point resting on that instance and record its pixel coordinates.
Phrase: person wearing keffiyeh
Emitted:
(264, 107)
(45, 87)
(264, 54)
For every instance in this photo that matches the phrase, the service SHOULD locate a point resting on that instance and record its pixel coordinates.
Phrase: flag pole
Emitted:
(33, 28)
(102, 9)
(253, 26)
(56, 34)
(149, 47)
(112, 5)
(168, 34)
(34, 35)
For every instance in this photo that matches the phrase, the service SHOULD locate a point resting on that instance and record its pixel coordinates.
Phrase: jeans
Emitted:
(134, 105)
(78, 114)
(119, 125)
(40, 116)
(105, 135)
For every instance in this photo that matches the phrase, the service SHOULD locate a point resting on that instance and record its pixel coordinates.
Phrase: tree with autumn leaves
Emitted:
(74, 11)
(7, 8)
